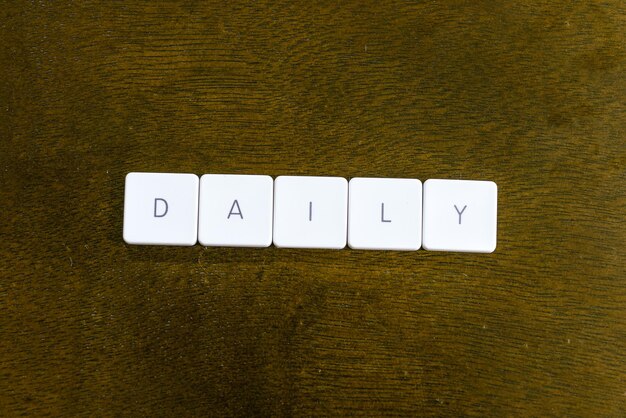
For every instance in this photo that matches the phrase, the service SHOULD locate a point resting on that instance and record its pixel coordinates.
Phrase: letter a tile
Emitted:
(236, 210)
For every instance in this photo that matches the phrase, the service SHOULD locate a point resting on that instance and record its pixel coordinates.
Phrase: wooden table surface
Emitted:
(531, 95)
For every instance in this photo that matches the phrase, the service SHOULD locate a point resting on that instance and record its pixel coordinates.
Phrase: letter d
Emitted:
(164, 207)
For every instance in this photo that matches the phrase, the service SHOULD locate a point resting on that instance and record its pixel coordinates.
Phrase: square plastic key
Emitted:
(385, 214)
(161, 209)
(460, 215)
(236, 210)
(310, 212)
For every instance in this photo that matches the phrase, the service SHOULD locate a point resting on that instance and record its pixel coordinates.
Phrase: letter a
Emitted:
(235, 203)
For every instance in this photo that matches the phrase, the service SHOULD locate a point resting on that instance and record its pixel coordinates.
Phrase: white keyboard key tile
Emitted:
(161, 209)
(310, 212)
(460, 215)
(385, 214)
(236, 210)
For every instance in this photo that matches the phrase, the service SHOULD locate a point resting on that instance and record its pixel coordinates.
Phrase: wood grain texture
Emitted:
(529, 95)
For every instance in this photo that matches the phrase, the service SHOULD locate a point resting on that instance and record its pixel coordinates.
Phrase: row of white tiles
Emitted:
(310, 212)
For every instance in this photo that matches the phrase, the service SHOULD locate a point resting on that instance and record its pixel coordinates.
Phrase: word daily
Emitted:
(310, 212)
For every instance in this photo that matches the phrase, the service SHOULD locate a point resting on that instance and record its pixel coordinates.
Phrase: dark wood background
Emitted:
(529, 95)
